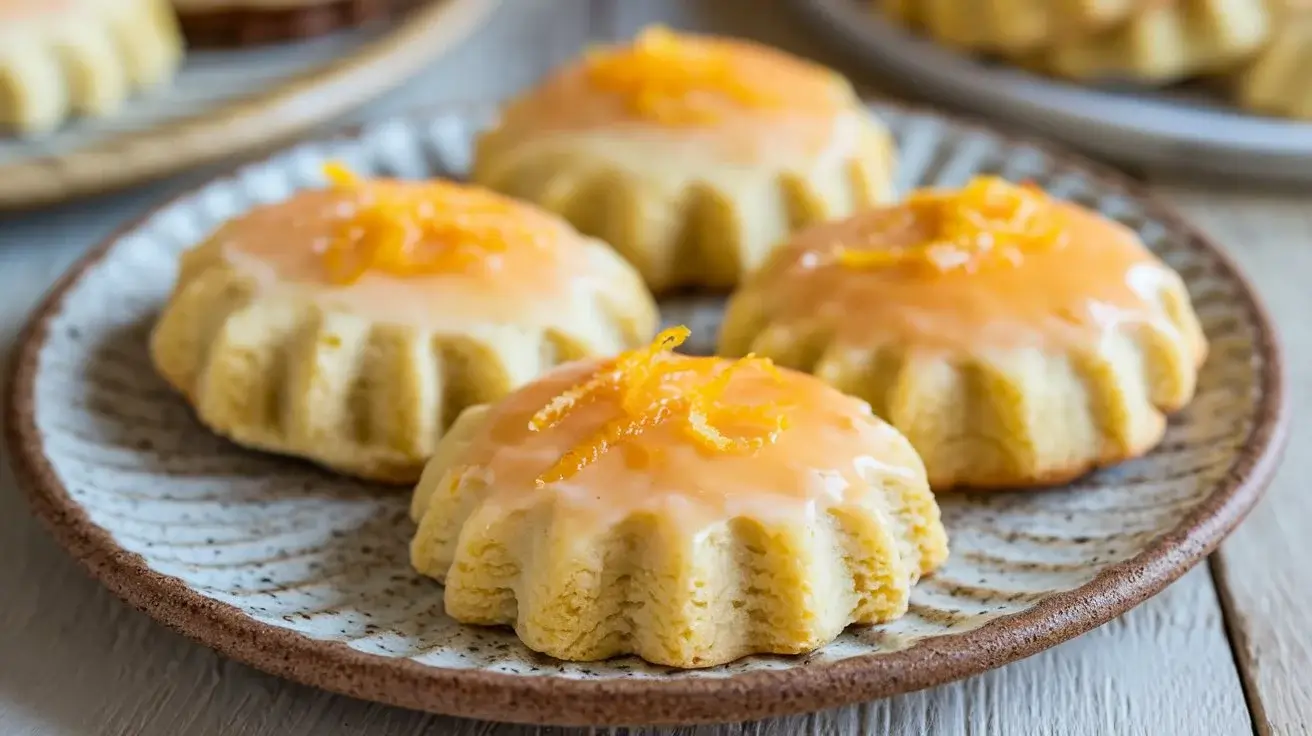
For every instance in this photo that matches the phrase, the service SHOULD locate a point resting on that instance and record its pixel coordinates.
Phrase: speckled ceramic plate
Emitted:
(305, 574)
(1171, 128)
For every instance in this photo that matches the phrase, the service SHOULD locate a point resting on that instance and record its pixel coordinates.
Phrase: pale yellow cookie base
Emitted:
(278, 373)
(1010, 418)
(648, 586)
(680, 225)
(1098, 40)
(86, 63)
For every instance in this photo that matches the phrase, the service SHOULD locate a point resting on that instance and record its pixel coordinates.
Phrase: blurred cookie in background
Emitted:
(61, 59)
(1278, 81)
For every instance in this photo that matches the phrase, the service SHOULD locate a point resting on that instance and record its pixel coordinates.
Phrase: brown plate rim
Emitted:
(250, 124)
(496, 696)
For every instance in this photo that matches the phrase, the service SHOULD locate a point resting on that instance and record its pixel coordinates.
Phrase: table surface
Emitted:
(1223, 651)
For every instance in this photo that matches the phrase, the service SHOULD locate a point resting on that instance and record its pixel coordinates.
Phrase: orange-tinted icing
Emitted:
(679, 80)
(989, 223)
(831, 451)
(739, 96)
(289, 245)
(655, 387)
(436, 227)
(1072, 288)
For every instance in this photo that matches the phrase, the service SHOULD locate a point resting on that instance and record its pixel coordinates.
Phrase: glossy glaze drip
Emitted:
(1099, 278)
(282, 246)
(832, 449)
(777, 105)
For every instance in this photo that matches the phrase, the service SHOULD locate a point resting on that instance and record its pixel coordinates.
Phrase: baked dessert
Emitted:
(687, 510)
(350, 325)
(253, 22)
(1166, 42)
(692, 155)
(1009, 28)
(1097, 40)
(64, 58)
(1278, 81)
(1015, 339)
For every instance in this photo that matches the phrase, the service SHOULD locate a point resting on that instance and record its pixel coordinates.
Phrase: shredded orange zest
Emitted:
(627, 365)
(988, 221)
(651, 386)
(674, 80)
(436, 228)
(338, 175)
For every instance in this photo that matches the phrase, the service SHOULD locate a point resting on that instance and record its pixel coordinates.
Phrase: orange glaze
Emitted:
(435, 227)
(283, 246)
(1098, 277)
(832, 441)
(990, 222)
(655, 387)
(768, 103)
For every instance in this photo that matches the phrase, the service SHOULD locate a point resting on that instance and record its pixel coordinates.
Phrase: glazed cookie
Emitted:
(1015, 339)
(688, 510)
(66, 58)
(350, 325)
(693, 156)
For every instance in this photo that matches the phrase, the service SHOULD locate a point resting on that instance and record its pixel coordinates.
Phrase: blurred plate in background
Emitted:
(229, 103)
(1170, 129)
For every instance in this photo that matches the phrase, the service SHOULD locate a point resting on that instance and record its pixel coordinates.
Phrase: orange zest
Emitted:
(434, 227)
(652, 386)
(989, 221)
(676, 80)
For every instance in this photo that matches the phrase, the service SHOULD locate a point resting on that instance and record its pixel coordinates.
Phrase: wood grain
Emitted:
(78, 662)
(1262, 571)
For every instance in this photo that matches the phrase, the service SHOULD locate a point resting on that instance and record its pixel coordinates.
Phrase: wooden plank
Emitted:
(76, 661)
(1262, 572)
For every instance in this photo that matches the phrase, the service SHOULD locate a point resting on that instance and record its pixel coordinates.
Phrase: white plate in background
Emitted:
(1146, 128)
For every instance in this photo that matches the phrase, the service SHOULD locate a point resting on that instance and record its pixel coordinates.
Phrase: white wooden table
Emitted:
(1224, 651)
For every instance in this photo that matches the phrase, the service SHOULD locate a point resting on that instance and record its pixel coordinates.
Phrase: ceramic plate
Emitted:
(305, 575)
(1164, 129)
(229, 103)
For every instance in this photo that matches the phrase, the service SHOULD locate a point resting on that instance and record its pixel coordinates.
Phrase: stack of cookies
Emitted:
(1260, 49)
